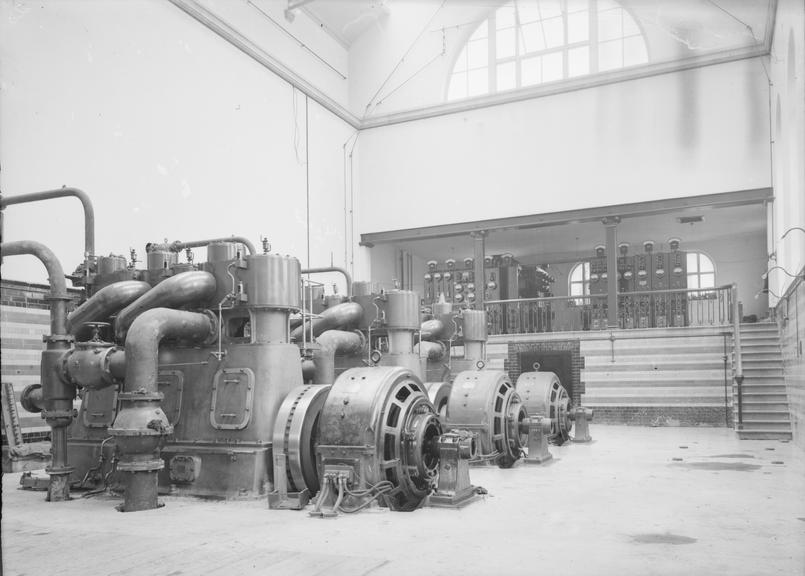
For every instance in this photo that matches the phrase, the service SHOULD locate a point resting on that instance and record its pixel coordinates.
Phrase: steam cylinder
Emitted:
(474, 334)
(273, 292)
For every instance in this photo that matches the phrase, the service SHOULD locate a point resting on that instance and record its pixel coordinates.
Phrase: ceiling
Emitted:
(567, 242)
(696, 25)
(346, 20)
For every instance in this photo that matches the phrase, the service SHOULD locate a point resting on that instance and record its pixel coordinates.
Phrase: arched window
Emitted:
(579, 280)
(524, 43)
(701, 271)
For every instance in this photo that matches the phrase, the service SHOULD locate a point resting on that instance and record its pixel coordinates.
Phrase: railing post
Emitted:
(739, 373)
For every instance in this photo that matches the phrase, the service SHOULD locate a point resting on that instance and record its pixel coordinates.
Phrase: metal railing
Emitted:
(655, 309)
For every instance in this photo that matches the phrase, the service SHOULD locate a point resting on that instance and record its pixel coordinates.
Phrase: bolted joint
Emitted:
(59, 418)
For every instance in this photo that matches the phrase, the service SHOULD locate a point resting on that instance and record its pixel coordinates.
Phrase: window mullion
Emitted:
(491, 35)
(593, 36)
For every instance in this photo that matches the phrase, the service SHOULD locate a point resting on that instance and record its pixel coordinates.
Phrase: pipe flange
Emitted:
(212, 337)
(58, 414)
(141, 465)
(141, 396)
(59, 470)
(25, 398)
(53, 338)
(106, 364)
(135, 432)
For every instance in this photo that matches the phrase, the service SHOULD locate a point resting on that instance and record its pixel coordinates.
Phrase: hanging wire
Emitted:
(372, 100)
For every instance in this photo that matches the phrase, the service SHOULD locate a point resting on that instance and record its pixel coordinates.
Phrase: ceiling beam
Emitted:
(633, 210)
(201, 14)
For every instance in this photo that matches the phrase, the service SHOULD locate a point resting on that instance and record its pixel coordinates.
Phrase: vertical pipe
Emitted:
(611, 224)
(739, 373)
(58, 395)
(479, 253)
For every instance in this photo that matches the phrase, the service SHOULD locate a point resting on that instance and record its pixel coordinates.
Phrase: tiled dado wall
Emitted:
(24, 319)
(790, 313)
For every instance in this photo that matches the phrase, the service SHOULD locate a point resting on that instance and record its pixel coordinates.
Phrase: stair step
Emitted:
(762, 405)
(764, 435)
(765, 416)
(766, 425)
(760, 348)
(761, 365)
(758, 326)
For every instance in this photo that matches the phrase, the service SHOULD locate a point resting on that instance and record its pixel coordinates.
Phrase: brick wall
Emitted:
(790, 313)
(574, 387)
(24, 319)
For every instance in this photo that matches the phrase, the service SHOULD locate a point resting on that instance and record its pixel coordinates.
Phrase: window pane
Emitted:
(629, 25)
(478, 53)
(577, 5)
(705, 264)
(707, 280)
(578, 61)
(531, 38)
(554, 32)
(609, 24)
(507, 76)
(576, 273)
(578, 27)
(458, 86)
(461, 62)
(610, 55)
(481, 32)
(505, 43)
(528, 12)
(550, 8)
(531, 71)
(478, 82)
(634, 51)
(552, 67)
(693, 281)
(693, 262)
(504, 17)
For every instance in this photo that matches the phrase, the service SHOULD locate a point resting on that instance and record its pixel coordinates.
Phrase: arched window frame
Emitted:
(701, 270)
(578, 280)
(487, 64)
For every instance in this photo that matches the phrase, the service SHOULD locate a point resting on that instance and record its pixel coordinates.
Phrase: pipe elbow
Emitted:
(185, 289)
(146, 334)
(105, 302)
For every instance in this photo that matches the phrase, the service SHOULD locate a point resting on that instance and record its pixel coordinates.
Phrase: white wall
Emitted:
(787, 69)
(172, 131)
(680, 134)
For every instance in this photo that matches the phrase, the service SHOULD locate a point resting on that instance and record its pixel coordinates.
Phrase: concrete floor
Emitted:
(651, 501)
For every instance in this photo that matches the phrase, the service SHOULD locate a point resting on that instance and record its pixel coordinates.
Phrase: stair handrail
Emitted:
(738, 373)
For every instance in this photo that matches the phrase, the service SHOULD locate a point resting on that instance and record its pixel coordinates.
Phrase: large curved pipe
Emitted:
(183, 289)
(347, 276)
(433, 351)
(58, 286)
(106, 302)
(57, 395)
(89, 211)
(141, 425)
(339, 316)
(342, 342)
(432, 329)
(179, 246)
(145, 334)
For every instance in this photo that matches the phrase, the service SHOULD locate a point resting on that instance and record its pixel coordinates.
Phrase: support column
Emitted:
(479, 247)
(611, 224)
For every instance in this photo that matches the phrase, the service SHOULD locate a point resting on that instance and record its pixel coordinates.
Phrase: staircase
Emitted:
(765, 403)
